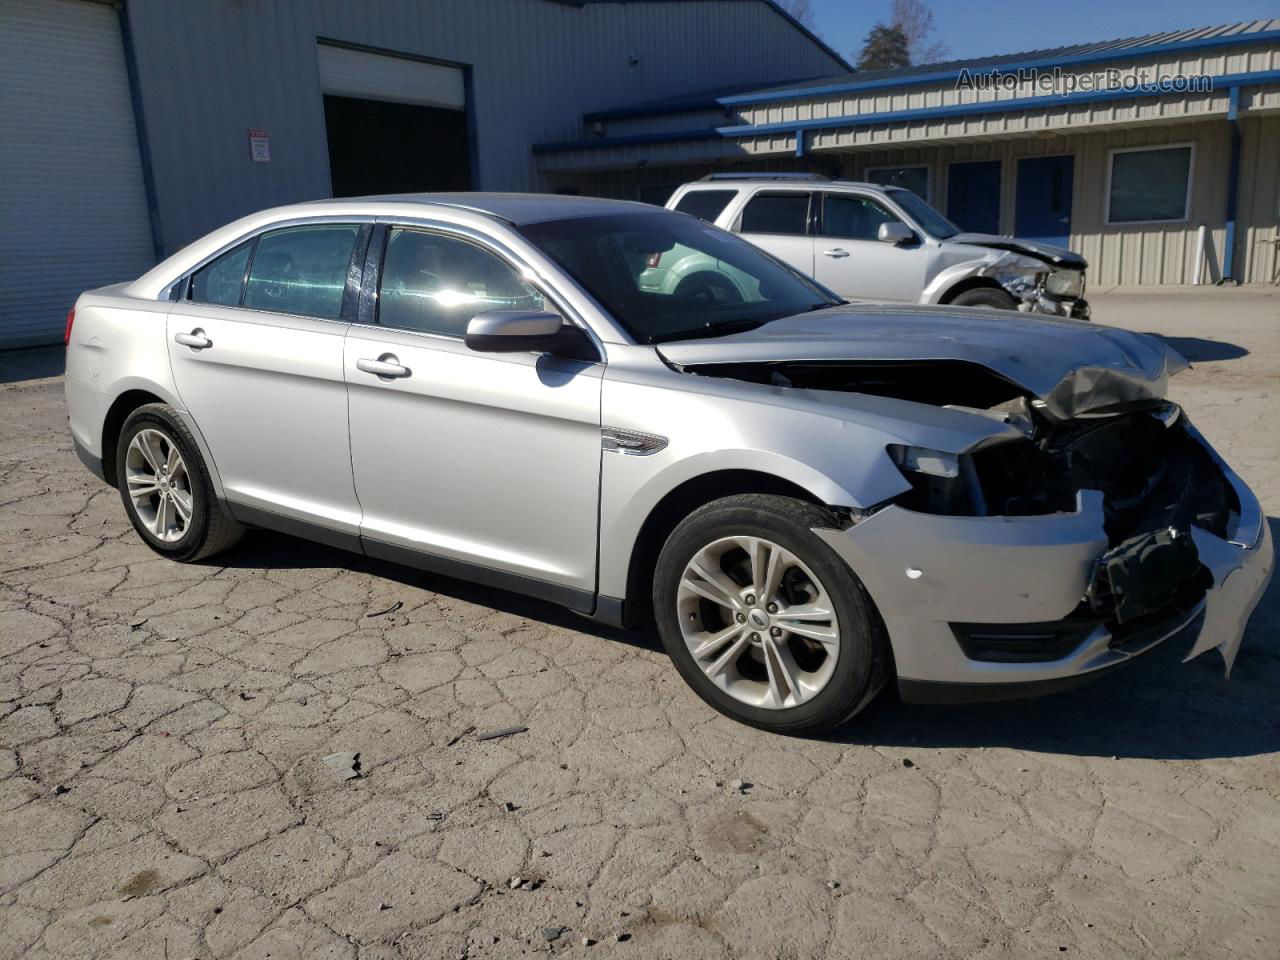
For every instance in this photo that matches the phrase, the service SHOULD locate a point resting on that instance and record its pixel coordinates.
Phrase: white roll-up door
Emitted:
(371, 76)
(73, 208)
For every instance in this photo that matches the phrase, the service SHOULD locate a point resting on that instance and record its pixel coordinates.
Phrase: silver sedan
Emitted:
(808, 498)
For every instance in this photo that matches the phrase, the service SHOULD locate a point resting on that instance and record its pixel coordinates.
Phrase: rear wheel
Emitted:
(985, 297)
(763, 619)
(166, 488)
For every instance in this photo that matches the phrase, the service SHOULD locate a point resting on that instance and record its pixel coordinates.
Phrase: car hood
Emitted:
(1076, 368)
(1055, 256)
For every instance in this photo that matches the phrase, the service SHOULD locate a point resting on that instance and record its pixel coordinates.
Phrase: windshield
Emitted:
(929, 219)
(666, 276)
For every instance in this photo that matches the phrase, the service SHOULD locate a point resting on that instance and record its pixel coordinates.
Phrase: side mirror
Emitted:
(523, 331)
(895, 233)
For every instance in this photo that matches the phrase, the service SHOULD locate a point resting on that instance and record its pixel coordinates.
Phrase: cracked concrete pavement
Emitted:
(162, 792)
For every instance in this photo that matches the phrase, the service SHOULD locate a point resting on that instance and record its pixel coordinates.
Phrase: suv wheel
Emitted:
(984, 297)
(763, 619)
(166, 488)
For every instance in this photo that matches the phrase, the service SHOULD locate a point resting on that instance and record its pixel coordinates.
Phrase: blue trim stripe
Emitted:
(1098, 56)
(1233, 187)
(1224, 82)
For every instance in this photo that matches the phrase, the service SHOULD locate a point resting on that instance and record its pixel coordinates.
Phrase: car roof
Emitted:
(788, 183)
(514, 208)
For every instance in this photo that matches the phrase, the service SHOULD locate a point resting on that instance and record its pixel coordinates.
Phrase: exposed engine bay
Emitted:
(1156, 479)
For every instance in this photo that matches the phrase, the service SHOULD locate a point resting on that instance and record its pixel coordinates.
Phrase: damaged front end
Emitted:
(1105, 526)
(1041, 278)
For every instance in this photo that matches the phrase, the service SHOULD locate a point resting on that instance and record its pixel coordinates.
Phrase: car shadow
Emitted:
(1199, 350)
(1154, 708)
(267, 550)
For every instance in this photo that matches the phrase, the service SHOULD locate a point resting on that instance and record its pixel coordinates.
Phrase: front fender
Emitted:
(989, 265)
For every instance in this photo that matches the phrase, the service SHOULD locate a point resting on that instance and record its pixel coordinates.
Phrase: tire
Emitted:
(832, 679)
(206, 529)
(984, 297)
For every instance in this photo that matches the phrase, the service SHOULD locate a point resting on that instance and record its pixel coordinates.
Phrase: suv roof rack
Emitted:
(764, 176)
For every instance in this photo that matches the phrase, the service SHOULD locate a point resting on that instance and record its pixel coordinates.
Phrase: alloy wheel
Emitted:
(159, 485)
(758, 622)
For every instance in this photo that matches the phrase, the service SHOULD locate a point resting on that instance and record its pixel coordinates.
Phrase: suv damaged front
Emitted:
(1095, 525)
(1041, 278)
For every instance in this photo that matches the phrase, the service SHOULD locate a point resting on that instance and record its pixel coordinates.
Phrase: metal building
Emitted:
(129, 128)
(1128, 151)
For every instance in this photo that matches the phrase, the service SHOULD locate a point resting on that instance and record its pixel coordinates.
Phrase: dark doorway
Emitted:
(379, 147)
(973, 195)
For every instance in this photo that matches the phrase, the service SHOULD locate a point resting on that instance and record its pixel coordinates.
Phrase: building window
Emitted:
(1149, 185)
(913, 177)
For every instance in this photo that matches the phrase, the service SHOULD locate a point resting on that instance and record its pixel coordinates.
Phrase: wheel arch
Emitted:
(130, 396)
(970, 283)
(674, 506)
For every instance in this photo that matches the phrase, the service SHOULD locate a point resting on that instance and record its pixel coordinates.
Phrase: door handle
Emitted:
(386, 366)
(196, 339)
(835, 254)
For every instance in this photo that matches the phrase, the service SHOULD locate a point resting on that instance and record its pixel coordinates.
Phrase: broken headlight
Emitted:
(1064, 284)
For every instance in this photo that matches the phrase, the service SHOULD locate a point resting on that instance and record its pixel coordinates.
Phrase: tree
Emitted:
(915, 20)
(801, 10)
(885, 47)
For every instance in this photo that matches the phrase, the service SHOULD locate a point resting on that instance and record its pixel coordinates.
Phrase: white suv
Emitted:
(869, 242)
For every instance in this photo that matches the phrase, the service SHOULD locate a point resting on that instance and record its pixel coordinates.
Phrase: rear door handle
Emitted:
(835, 254)
(386, 366)
(196, 339)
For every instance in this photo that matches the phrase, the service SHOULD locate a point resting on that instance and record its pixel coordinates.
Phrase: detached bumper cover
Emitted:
(927, 573)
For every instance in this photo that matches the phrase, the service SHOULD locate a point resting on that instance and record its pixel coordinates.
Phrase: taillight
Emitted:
(653, 260)
(71, 318)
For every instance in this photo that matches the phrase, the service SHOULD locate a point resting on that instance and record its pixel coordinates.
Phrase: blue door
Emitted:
(973, 195)
(1042, 203)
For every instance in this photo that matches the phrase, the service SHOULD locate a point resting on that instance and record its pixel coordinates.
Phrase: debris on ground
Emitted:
(740, 786)
(552, 933)
(906, 762)
(435, 816)
(347, 764)
(515, 883)
(833, 884)
(391, 609)
(501, 732)
(587, 942)
(623, 937)
(509, 807)
(60, 789)
(458, 736)
(137, 624)
(384, 906)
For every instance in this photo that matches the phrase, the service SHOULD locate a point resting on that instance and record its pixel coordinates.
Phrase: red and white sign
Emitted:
(259, 146)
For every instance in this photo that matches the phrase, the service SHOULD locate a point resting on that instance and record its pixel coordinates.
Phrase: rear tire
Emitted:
(166, 488)
(985, 297)
(767, 571)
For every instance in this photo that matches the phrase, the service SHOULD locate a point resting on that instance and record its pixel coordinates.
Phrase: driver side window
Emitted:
(852, 217)
(433, 283)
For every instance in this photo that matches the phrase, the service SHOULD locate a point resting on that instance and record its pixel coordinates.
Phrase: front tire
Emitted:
(166, 487)
(764, 620)
(985, 297)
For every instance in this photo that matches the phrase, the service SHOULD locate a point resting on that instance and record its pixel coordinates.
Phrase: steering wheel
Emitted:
(707, 289)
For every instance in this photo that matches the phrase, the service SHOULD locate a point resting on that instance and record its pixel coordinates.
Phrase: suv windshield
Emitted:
(929, 219)
(665, 276)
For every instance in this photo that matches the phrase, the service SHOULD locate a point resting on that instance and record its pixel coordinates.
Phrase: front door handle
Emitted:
(836, 254)
(386, 366)
(196, 339)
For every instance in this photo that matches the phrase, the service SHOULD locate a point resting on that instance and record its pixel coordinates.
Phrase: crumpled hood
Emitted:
(1056, 256)
(1075, 367)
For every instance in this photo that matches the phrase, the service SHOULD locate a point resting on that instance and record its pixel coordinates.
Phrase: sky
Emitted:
(1011, 26)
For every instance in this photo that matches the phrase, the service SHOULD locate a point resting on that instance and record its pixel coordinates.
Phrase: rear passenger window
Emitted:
(705, 204)
(786, 213)
(434, 283)
(220, 280)
(302, 270)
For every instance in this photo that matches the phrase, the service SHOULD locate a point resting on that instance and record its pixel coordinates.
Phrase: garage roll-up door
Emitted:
(371, 76)
(72, 201)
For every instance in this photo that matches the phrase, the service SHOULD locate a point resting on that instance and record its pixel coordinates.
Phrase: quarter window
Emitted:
(221, 281)
(302, 270)
(705, 204)
(853, 217)
(1149, 185)
(785, 213)
(434, 283)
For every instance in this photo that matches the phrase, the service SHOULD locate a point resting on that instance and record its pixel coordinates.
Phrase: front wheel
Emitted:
(764, 620)
(985, 297)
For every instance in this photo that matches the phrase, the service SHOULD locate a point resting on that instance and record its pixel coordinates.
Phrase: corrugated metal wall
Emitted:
(1260, 199)
(211, 69)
